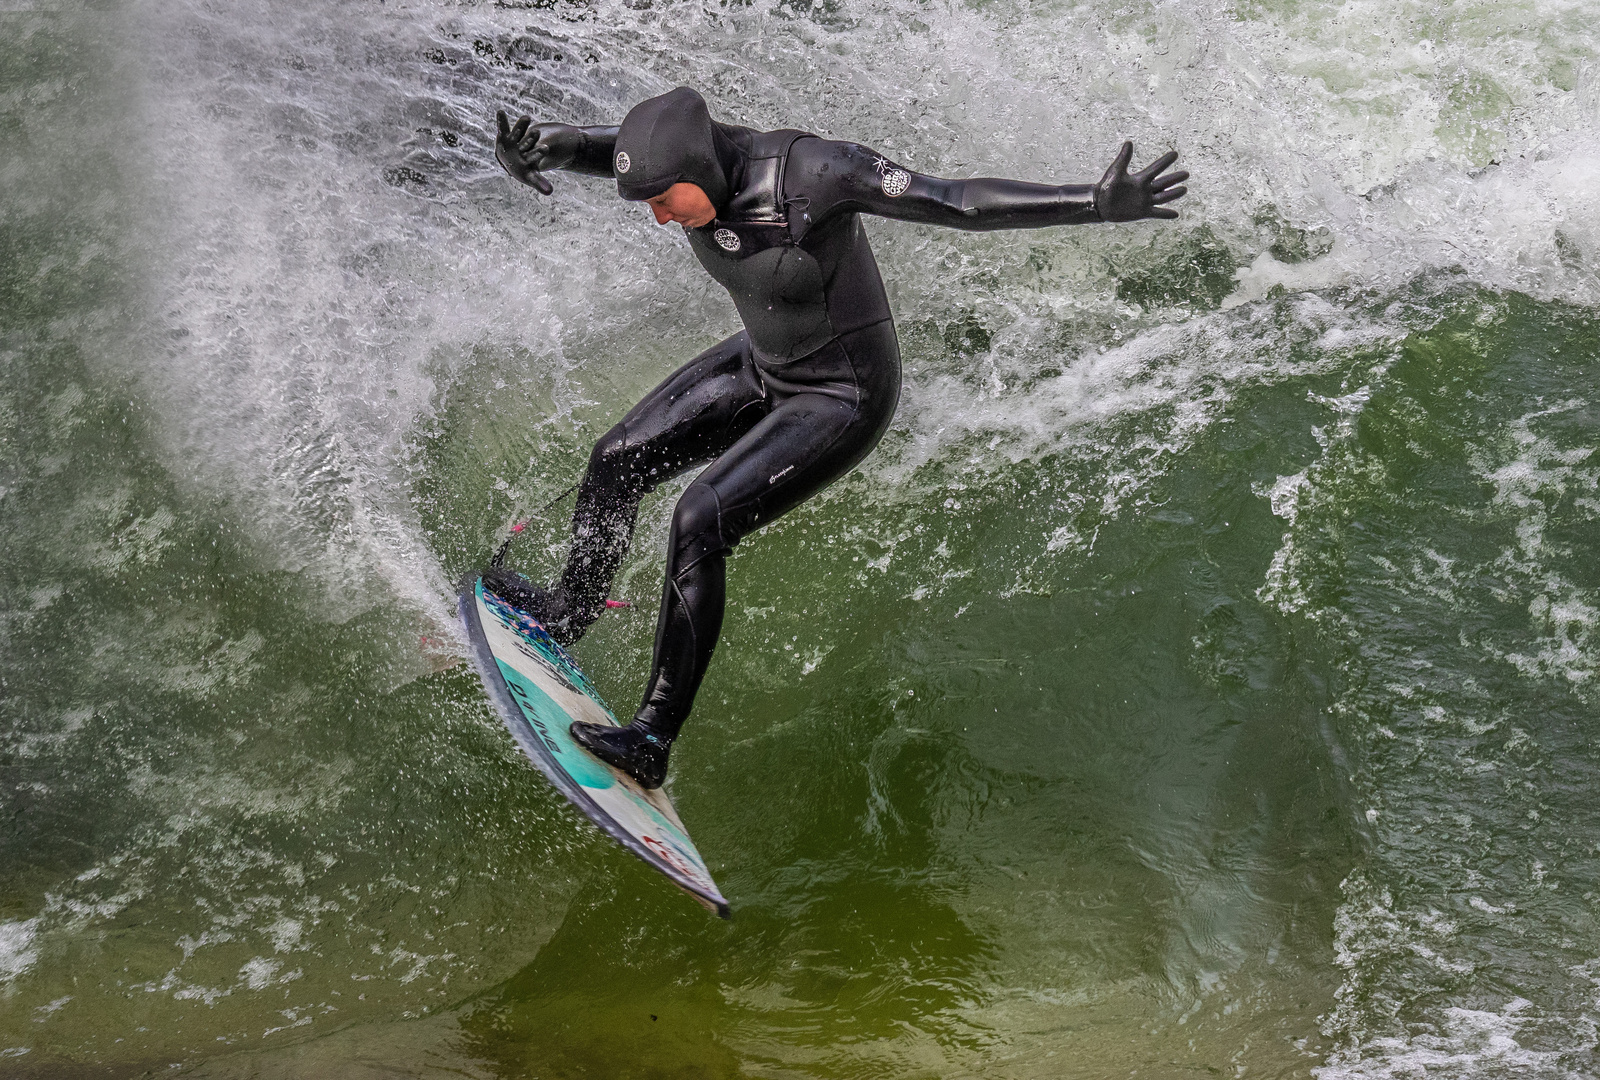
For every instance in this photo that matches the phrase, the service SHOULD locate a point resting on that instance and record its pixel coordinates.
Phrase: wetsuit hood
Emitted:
(669, 140)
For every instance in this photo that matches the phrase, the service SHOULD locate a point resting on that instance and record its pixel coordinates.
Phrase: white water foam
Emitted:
(17, 952)
(331, 234)
(1540, 475)
(1470, 1043)
(1513, 1039)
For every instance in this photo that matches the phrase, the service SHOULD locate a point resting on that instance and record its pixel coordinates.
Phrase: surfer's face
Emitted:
(685, 204)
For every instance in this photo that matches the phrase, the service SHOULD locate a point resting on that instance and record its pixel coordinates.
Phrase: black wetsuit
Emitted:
(777, 411)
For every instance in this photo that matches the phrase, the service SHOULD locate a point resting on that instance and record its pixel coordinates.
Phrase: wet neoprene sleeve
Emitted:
(833, 177)
(595, 151)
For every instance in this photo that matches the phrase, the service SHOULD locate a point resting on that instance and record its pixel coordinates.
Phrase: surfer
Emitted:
(789, 404)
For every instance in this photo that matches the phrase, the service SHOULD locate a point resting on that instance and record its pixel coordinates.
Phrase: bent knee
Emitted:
(697, 526)
(611, 460)
(698, 512)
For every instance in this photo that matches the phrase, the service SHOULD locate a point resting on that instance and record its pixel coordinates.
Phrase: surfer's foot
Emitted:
(639, 754)
(555, 609)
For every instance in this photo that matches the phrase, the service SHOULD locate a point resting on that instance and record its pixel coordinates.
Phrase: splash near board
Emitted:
(538, 691)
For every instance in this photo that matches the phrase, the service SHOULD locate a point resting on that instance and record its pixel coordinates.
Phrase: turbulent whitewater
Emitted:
(1202, 677)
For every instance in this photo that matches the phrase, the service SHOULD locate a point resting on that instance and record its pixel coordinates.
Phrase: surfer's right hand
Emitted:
(525, 150)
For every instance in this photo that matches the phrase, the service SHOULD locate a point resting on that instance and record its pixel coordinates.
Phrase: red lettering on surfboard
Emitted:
(671, 857)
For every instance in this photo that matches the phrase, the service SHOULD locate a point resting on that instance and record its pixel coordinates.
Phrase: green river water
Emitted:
(1200, 680)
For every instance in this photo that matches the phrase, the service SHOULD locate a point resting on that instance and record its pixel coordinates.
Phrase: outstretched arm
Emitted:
(846, 176)
(527, 150)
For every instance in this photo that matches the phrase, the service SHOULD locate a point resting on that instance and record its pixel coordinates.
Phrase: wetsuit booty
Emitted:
(636, 752)
(565, 620)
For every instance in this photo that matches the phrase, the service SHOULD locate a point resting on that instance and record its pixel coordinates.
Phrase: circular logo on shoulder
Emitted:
(726, 239)
(895, 182)
(623, 164)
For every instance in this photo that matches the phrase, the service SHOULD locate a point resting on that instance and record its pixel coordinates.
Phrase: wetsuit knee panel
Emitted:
(697, 528)
(612, 463)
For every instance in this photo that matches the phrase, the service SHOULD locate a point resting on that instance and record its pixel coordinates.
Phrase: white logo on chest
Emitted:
(726, 239)
(895, 182)
(623, 162)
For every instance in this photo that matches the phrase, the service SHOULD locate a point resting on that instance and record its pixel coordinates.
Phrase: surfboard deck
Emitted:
(538, 690)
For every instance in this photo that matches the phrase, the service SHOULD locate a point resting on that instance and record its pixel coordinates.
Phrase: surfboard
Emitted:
(538, 690)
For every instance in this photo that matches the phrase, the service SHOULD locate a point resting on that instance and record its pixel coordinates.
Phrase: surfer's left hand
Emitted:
(1121, 196)
(525, 153)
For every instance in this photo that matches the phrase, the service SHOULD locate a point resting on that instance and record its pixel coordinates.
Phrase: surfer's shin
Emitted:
(690, 622)
(602, 523)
